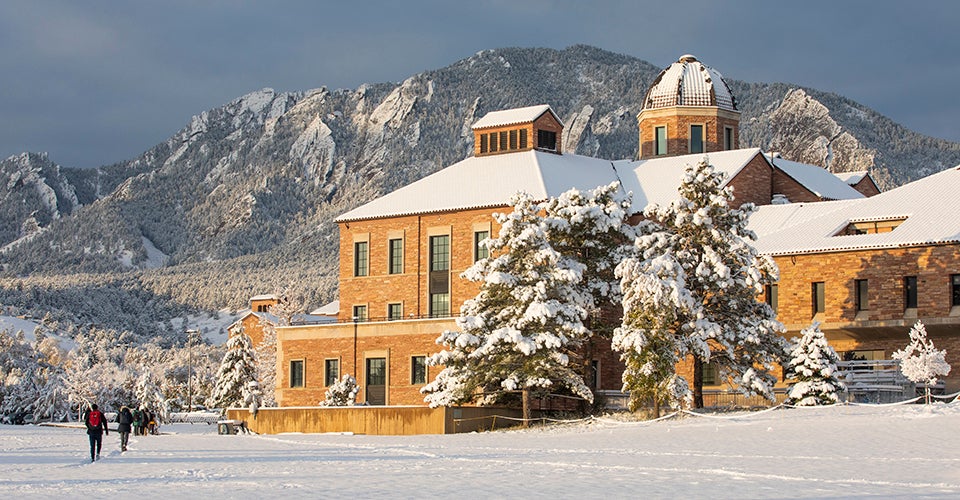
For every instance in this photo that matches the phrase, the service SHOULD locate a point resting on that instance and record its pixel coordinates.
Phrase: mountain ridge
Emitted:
(248, 190)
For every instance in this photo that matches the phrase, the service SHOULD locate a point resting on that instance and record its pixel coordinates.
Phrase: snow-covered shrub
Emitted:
(342, 393)
(920, 361)
(813, 364)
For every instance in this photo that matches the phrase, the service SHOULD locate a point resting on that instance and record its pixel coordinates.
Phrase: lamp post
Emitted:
(355, 320)
(190, 335)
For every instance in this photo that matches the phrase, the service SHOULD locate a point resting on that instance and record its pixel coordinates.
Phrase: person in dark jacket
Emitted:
(96, 428)
(124, 423)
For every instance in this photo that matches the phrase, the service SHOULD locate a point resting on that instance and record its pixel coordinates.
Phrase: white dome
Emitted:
(688, 82)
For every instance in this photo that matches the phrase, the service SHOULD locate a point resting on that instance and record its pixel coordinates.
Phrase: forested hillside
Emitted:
(240, 201)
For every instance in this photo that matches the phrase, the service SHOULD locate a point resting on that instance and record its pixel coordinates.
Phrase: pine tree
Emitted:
(237, 369)
(342, 393)
(813, 364)
(517, 334)
(590, 227)
(703, 249)
(920, 361)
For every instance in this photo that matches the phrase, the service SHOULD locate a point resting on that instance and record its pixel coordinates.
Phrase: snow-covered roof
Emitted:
(514, 116)
(265, 296)
(852, 178)
(688, 82)
(819, 181)
(656, 180)
(929, 205)
(331, 309)
(489, 181)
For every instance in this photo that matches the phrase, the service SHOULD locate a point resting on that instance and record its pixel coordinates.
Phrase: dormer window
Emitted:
(872, 226)
(520, 129)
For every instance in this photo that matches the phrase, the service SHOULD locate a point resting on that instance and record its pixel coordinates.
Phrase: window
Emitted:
(331, 372)
(503, 140)
(493, 142)
(547, 140)
(696, 138)
(910, 292)
(396, 256)
(480, 251)
(418, 370)
(819, 300)
(483, 143)
(513, 139)
(955, 289)
(727, 138)
(439, 276)
(523, 138)
(711, 373)
(861, 295)
(772, 296)
(360, 313)
(296, 373)
(660, 141)
(439, 305)
(361, 258)
(394, 311)
(440, 253)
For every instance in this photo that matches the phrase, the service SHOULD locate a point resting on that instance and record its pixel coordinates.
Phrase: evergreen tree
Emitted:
(703, 249)
(342, 393)
(517, 334)
(813, 365)
(590, 227)
(920, 361)
(237, 370)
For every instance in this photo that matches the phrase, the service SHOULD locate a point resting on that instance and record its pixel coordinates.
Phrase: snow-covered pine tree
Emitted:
(518, 332)
(280, 314)
(342, 393)
(710, 252)
(237, 370)
(813, 365)
(654, 299)
(920, 361)
(591, 227)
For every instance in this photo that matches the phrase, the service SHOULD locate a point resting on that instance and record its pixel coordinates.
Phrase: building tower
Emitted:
(688, 109)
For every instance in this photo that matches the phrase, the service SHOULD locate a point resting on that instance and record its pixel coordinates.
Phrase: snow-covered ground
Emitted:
(906, 451)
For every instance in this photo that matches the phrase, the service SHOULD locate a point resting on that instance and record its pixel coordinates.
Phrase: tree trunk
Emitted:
(697, 381)
(656, 407)
(526, 407)
(588, 376)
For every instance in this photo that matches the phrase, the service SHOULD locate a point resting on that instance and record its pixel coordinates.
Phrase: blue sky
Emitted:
(94, 82)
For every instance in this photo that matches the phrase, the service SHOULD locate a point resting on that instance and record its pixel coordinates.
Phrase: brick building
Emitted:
(401, 255)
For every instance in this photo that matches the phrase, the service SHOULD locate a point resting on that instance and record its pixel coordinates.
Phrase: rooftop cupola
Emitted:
(688, 109)
(520, 129)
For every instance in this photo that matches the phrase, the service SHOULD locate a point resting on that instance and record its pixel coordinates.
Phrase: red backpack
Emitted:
(94, 418)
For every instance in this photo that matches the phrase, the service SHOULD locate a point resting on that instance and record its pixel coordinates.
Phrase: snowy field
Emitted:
(910, 451)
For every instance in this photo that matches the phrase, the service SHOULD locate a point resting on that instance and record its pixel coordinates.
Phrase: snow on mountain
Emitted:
(254, 184)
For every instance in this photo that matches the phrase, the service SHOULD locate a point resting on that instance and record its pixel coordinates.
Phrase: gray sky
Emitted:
(95, 82)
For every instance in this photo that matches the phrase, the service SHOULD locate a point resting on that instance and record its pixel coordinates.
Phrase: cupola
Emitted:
(520, 129)
(688, 109)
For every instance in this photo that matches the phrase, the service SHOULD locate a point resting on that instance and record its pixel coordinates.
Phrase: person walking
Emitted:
(96, 428)
(124, 423)
(137, 421)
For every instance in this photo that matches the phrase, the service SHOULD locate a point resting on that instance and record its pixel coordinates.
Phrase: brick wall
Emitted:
(793, 190)
(678, 121)
(409, 288)
(752, 183)
(886, 322)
